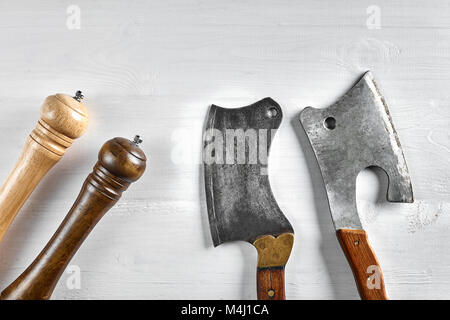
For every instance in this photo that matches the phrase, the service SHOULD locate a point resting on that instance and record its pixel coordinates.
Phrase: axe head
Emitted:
(355, 133)
(240, 202)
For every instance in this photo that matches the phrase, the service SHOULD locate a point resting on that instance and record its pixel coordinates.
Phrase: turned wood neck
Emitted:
(50, 139)
(107, 183)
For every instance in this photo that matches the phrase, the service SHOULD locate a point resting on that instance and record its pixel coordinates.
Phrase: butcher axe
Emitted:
(353, 134)
(239, 199)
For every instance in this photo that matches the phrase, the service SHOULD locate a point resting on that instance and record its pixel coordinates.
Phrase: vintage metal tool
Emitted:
(355, 133)
(240, 202)
(63, 119)
(120, 162)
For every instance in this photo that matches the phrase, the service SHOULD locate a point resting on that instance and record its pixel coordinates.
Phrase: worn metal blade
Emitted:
(355, 133)
(240, 202)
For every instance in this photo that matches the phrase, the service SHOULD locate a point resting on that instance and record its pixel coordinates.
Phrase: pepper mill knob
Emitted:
(63, 119)
(65, 114)
(120, 162)
(123, 158)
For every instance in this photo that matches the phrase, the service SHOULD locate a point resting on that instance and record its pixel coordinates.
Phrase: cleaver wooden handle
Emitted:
(120, 163)
(364, 264)
(63, 119)
(270, 283)
(273, 254)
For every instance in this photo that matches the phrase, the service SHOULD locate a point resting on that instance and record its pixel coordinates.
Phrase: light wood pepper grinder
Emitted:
(120, 162)
(63, 119)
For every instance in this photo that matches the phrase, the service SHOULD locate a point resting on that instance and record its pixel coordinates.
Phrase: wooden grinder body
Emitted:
(63, 119)
(120, 163)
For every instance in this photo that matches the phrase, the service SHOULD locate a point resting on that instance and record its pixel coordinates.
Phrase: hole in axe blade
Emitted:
(371, 186)
(330, 123)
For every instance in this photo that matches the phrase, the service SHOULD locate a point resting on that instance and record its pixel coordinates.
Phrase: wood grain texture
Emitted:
(365, 266)
(120, 163)
(62, 120)
(153, 68)
(270, 283)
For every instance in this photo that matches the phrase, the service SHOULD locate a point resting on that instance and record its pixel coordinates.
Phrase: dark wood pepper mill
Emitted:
(120, 162)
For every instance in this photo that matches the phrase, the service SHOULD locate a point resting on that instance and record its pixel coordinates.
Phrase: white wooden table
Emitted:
(153, 67)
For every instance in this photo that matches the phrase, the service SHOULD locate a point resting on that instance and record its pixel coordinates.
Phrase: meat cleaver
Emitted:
(239, 199)
(355, 133)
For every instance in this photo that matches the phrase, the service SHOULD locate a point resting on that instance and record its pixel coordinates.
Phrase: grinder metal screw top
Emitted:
(240, 203)
(120, 162)
(355, 133)
(63, 119)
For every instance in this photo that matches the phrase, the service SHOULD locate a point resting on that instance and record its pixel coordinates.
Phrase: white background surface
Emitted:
(153, 67)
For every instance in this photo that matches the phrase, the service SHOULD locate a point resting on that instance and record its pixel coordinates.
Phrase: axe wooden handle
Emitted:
(120, 163)
(63, 119)
(273, 254)
(364, 264)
